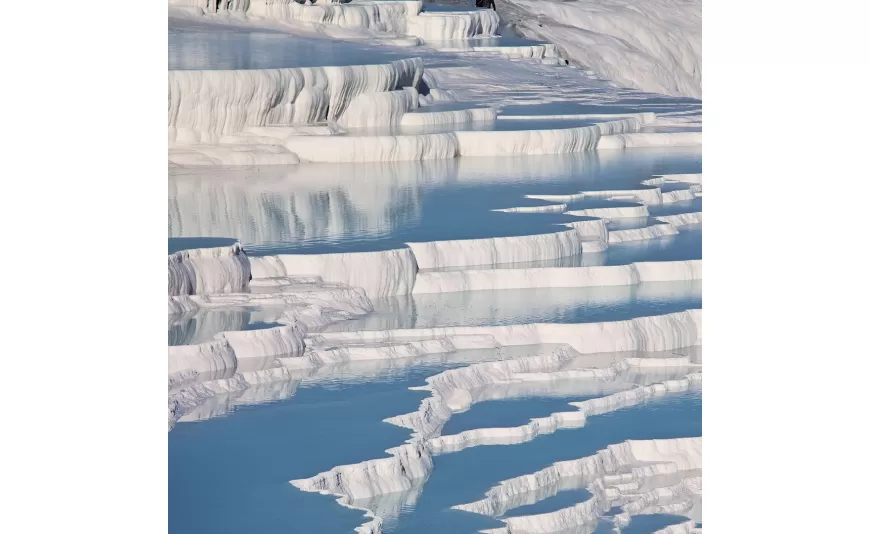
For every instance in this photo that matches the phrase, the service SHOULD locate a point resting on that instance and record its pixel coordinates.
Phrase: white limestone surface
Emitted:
(654, 45)
(550, 208)
(534, 51)
(455, 25)
(646, 140)
(395, 473)
(674, 179)
(549, 277)
(423, 118)
(226, 101)
(621, 212)
(223, 354)
(369, 148)
(563, 420)
(654, 231)
(380, 273)
(232, 154)
(643, 118)
(363, 148)
(682, 219)
(209, 270)
(380, 109)
(674, 455)
(651, 333)
(495, 250)
(375, 16)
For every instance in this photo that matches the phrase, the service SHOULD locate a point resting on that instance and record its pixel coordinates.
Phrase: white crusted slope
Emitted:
(674, 179)
(223, 354)
(381, 273)
(535, 278)
(631, 462)
(653, 45)
(373, 477)
(451, 26)
(653, 333)
(495, 250)
(360, 148)
(646, 140)
(564, 420)
(380, 109)
(375, 16)
(209, 270)
(226, 101)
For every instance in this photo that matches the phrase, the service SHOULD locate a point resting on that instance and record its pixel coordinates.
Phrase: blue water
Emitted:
(507, 413)
(199, 47)
(356, 207)
(186, 243)
(687, 206)
(230, 474)
(563, 499)
(684, 246)
(519, 306)
(202, 326)
(465, 476)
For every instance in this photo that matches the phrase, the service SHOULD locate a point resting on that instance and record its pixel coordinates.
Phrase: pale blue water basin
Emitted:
(231, 474)
(520, 306)
(200, 47)
(507, 413)
(563, 499)
(187, 243)
(321, 208)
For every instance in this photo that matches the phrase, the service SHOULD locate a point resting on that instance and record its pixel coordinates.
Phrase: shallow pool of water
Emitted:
(203, 48)
(231, 474)
(318, 208)
(563, 499)
(520, 306)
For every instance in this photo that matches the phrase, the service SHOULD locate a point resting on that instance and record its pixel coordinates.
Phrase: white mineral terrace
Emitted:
(299, 155)
(657, 476)
(395, 272)
(243, 117)
(548, 425)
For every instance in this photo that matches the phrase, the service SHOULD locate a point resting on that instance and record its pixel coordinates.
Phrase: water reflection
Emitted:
(198, 48)
(522, 306)
(348, 207)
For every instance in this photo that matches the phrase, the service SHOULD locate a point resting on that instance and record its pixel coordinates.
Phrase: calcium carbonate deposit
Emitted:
(434, 267)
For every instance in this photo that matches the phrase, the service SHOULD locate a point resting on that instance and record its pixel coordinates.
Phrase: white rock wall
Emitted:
(219, 101)
(208, 270)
